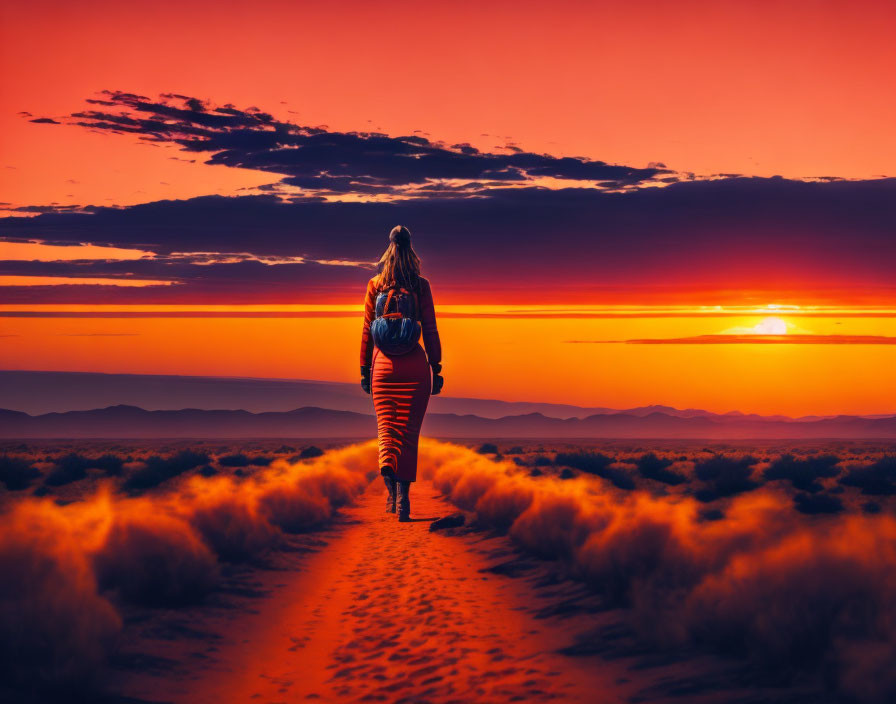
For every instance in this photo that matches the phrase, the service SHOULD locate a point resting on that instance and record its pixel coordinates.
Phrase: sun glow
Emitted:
(770, 326)
(795, 377)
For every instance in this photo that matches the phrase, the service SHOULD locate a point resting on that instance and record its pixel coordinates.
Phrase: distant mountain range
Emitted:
(39, 392)
(89, 405)
(311, 422)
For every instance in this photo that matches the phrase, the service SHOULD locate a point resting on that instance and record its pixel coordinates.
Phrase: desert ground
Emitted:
(658, 571)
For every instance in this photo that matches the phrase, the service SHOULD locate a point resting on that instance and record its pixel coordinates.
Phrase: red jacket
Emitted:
(430, 336)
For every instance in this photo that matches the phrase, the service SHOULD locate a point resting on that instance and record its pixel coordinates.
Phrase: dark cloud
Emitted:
(757, 339)
(335, 162)
(197, 278)
(751, 236)
(52, 208)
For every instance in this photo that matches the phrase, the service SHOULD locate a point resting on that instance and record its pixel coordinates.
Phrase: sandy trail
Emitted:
(389, 612)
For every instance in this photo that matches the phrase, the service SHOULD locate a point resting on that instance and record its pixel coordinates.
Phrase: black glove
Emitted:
(437, 380)
(365, 378)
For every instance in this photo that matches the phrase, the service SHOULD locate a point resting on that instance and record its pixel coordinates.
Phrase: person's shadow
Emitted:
(420, 520)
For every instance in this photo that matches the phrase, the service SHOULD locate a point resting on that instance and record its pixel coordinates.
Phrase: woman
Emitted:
(400, 378)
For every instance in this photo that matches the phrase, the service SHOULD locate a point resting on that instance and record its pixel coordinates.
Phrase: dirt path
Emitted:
(391, 612)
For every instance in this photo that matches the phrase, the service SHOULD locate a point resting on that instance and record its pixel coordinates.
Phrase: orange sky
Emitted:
(798, 88)
(508, 357)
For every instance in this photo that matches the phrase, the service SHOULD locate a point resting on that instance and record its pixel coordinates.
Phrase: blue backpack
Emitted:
(396, 327)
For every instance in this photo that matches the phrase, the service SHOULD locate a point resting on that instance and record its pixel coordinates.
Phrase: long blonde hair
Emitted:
(399, 265)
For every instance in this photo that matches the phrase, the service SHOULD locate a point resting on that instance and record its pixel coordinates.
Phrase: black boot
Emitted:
(391, 498)
(404, 501)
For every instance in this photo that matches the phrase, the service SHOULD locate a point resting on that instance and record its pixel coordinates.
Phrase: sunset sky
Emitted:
(618, 204)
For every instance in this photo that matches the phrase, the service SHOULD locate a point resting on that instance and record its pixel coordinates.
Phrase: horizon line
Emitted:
(731, 412)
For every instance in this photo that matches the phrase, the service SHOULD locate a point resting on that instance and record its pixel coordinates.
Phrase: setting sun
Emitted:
(770, 326)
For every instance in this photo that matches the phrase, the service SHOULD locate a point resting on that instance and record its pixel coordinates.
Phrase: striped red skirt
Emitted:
(401, 385)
